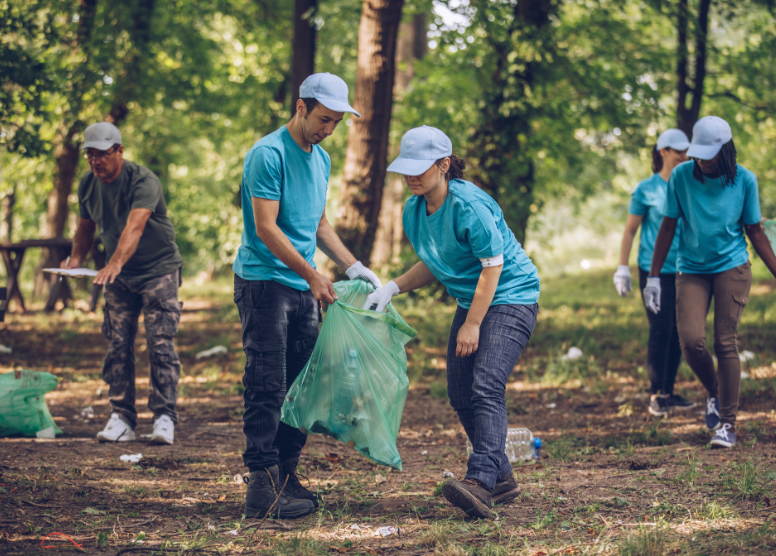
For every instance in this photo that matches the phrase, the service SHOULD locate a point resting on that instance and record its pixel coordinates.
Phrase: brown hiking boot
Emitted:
(505, 490)
(264, 497)
(471, 495)
(293, 487)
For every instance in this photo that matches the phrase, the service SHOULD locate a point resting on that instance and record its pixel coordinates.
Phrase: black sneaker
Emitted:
(658, 405)
(472, 496)
(678, 402)
(505, 490)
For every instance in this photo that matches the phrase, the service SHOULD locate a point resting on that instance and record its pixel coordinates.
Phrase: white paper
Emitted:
(72, 272)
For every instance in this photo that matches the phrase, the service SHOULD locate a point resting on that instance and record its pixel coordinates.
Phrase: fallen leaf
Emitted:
(380, 479)
(93, 511)
(222, 498)
(332, 457)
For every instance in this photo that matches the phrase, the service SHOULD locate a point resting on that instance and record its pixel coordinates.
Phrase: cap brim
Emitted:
(410, 166)
(338, 106)
(704, 152)
(679, 145)
(99, 145)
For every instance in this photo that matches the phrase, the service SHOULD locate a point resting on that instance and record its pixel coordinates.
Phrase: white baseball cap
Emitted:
(101, 136)
(329, 90)
(708, 136)
(420, 148)
(673, 138)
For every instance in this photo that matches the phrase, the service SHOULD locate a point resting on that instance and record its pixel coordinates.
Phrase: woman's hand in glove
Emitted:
(381, 297)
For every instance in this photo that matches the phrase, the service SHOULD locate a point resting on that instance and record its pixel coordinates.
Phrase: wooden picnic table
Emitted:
(13, 256)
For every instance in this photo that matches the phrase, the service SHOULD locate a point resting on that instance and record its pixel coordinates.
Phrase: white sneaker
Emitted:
(117, 430)
(164, 431)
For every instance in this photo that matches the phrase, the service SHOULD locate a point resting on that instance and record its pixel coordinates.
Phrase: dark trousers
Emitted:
(476, 384)
(730, 290)
(279, 329)
(157, 298)
(663, 350)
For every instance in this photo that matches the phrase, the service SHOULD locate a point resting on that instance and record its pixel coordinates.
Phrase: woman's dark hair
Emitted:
(657, 160)
(457, 166)
(726, 165)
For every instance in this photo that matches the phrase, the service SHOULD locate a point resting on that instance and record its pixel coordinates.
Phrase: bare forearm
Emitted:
(625, 247)
(483, 295)
(82, 243)
(130, 237)
(662, 245)
(280, 246)
(762, 246)
(332, 246)
(416, 277)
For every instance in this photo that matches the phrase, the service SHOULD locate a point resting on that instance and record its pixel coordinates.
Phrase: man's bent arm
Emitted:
(332, 246)
(665, 238)
(265, 215)
(128, 241)
(82, 242)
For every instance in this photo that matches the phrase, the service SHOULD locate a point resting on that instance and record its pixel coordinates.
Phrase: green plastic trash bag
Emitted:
(770, 231)
(23, 409)
(355, 384)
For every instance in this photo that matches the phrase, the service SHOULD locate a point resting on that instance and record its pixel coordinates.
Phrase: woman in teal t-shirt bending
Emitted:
(459, 233)
(714, 201)
(646, 210)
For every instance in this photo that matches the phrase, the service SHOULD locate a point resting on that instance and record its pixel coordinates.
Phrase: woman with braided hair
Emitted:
(715, 202)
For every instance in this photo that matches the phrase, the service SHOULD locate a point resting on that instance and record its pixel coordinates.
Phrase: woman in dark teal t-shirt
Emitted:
(460, 235)
(646, 210)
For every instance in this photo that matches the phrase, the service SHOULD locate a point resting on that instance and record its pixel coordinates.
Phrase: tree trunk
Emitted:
(686, 117)
(501, 162)
(66, 151)
(411, 44)
(6, 225)
(129, 85)
(365, 161)
(303, 63)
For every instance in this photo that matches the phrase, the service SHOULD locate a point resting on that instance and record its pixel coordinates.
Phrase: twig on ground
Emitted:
(160, 549)
(37, 505)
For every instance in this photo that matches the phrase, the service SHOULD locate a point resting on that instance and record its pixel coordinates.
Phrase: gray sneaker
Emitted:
(676, 401)
(658, 405)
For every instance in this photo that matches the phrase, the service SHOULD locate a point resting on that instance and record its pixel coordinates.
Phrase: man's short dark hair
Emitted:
(310, 104)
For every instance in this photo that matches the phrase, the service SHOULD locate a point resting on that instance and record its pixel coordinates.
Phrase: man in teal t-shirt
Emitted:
(277, 288)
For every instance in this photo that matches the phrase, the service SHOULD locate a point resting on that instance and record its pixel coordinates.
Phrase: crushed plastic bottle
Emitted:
(347, 390)
(520, 445)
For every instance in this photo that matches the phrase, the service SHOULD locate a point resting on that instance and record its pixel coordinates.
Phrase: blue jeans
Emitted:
(476, 384)
(279, 329)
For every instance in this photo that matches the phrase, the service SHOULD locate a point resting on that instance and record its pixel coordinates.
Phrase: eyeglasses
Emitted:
(92, 154)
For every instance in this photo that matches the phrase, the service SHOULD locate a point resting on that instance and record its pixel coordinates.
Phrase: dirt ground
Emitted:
(610, 481)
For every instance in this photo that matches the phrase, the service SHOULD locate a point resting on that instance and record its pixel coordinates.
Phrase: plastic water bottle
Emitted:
(346, 390)
(520, 446)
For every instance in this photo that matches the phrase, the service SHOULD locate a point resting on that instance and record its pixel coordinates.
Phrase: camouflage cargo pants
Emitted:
(157, 298)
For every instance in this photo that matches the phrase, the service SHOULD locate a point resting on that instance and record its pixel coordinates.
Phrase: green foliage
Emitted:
(645, 542)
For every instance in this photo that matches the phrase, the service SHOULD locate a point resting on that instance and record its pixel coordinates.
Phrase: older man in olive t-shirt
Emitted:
(124, 201)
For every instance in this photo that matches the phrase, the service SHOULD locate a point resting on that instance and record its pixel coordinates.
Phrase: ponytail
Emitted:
(457, 166)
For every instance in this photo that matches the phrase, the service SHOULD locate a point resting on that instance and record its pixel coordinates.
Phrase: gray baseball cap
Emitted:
(708, 136)
(419, 149)
(101, 136)
(329, 90)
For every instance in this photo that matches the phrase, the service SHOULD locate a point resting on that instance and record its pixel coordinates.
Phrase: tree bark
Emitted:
(6, 225)
(129, 85)
(501, 162)
(365, 161)
(411, 44)
(66, 151)
(687, 116)
(303, 63)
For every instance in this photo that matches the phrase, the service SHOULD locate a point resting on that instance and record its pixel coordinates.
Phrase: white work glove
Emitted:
(360, 272)
(378, 299)
(622, 280)
(652, 294)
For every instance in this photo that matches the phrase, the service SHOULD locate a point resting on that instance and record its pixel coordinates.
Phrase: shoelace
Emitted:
(711, 407)
(723, 432)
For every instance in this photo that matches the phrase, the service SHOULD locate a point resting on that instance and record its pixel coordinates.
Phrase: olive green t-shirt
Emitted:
(109, 205)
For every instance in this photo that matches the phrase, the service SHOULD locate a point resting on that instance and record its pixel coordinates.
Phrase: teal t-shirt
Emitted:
(277, 168)
(712, 216)
(647, 200)
(470, 226)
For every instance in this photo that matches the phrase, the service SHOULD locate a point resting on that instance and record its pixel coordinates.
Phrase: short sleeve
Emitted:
(83, 211)
(478, 225)
(751, 213)
(263, 174)
(146, 191)
(671, 207)
(638, 205)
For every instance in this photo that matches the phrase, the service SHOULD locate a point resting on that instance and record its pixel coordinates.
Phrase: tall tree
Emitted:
(686, 116)
(365, 160)
(303, 62)
(412, 45)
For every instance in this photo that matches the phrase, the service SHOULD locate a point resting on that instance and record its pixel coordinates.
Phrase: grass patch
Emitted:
(560, 449)
(747, 481)
(298, 545)
(645, 542)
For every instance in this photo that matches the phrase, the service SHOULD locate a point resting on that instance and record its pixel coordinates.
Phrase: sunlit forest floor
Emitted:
(611, 479)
